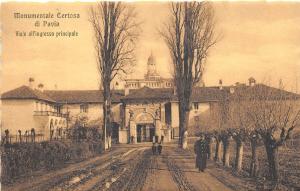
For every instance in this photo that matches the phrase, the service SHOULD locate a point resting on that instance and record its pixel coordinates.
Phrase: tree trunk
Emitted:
(254, 159)
(210, 148)
(226, 154)
(272, 155)
(185, 132)
(218, 151)
(183, 125)
(239, 155)
(107, 116)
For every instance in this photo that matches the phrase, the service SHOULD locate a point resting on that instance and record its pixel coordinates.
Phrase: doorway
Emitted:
(145, 132)
(139, 133)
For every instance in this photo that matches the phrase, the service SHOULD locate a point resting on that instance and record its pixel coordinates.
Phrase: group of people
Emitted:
(201, 150)
(157, 146)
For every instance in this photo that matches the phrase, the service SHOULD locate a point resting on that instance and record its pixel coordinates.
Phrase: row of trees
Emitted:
(256, 114)
(189, 35)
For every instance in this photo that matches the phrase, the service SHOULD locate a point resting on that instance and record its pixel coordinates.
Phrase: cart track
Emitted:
(177, 174)
(71, 179)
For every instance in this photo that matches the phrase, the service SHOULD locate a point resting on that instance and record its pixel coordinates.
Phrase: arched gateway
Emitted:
(144, 122)
(143, 118)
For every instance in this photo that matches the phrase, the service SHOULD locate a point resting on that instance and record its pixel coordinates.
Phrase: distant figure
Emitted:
(132, 139)
(162, 139)
(184, 141)
(32, 135)
(6, 136)
(154, 146)
(200, 149)
(159, 148)
(20, 135)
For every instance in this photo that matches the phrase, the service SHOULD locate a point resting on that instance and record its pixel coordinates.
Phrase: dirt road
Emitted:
(132, 167)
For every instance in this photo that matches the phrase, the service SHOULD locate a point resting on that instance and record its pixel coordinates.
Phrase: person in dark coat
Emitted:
(159, 148)
(200, 149)
(154, 146)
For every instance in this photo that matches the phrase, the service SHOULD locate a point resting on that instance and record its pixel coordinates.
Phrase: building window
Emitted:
(196, 106)
(84, 108)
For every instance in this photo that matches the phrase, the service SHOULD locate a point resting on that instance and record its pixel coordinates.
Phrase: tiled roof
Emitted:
(25, 92)
(149, 93)
(200, 94)
(264, 92)
(205, 94)
(82, 96)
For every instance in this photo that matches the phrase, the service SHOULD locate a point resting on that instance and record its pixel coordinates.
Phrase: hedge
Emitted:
(21, 159)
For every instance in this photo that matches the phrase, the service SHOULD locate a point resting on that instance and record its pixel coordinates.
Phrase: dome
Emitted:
(151, 60)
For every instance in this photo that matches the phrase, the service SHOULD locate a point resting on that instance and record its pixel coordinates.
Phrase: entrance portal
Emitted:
(145, 132)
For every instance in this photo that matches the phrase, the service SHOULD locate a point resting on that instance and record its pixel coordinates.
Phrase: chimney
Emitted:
(41, 87)
(220, 84)
(126, 90)
(31, 82)
(252, 81)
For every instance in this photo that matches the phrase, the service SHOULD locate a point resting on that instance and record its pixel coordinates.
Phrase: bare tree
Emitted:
(274, 113)
(218, 140)
(189, 35)
(239, 122)
(223, 132)
(115, 34)
(226, 136)
(243, 129)
(254, 138)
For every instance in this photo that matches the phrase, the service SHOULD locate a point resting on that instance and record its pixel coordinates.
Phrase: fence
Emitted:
(23, 138)
(76, 134)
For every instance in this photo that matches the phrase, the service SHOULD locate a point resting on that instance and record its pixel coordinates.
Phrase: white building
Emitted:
(146, 107)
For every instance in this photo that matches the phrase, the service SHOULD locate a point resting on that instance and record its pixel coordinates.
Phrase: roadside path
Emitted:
(214, 177)
(175, 170)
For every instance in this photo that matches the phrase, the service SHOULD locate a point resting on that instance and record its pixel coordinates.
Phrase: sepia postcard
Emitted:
(150, 95)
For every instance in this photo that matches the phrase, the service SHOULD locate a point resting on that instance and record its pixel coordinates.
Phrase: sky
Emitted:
(258, 39)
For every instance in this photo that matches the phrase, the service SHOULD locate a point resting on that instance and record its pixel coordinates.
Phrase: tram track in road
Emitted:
(102, 178)
(101, 175)
(134, 176)
(178, 176)
(152, 173)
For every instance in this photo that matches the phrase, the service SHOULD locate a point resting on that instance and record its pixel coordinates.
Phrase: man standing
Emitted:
(159, 148)
(200, 149)
(154, 146)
